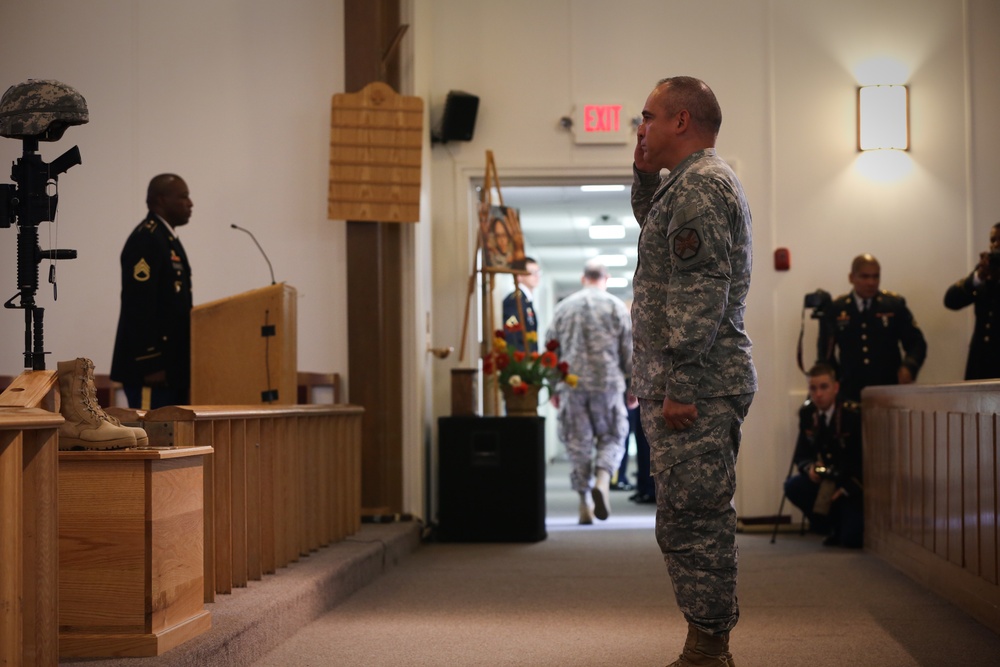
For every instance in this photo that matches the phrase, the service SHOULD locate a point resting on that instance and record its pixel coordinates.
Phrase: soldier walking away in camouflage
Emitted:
(152, 355)
(594, 332)
(861, 333)
(693, 373)
(982, 289)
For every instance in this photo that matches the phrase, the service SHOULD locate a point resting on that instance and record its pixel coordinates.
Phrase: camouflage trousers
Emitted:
(593, 426)
(695, 475)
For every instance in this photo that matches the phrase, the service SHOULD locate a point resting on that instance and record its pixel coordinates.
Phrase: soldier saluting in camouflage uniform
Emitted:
(692, 370)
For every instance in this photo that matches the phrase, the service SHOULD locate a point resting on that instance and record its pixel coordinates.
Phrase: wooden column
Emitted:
(374, 281)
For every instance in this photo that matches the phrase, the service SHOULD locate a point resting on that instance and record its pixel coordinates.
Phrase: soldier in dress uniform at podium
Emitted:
(861, 333)
(152, 355)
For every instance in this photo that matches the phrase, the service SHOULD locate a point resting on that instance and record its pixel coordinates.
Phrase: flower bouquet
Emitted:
(523, 374)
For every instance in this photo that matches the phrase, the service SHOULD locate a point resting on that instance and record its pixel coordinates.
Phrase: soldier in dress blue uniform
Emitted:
(861, 334)
(519, 322)
(982, 288)
(152, 355)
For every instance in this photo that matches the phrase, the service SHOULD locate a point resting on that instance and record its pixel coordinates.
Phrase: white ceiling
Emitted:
(555, 220)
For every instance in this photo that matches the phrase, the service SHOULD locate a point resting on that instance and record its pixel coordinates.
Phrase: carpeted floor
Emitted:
(594, 596)
(599, 596)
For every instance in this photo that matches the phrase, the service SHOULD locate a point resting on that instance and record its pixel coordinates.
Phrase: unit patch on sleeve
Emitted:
(687, 243)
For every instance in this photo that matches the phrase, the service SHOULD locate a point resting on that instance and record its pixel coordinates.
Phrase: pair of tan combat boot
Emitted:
(87, 425)
(704, 650)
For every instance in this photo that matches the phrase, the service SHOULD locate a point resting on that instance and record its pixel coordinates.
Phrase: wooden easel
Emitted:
(490, 179)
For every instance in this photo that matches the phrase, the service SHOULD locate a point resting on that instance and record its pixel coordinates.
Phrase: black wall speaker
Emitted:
(459, 120)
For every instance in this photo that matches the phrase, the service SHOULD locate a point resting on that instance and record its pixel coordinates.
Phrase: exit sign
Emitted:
(600, 124)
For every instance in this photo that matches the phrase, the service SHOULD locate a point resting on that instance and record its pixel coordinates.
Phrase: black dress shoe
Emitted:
(621, 485)
(643, 498)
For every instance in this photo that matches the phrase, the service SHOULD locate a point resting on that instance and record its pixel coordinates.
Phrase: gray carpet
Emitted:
(599, 596)
(585, 596)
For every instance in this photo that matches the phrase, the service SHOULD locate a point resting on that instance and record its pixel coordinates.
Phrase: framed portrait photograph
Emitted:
(501, 239)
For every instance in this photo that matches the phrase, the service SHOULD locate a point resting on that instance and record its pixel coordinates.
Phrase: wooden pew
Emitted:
(283, 481)
(931, 477)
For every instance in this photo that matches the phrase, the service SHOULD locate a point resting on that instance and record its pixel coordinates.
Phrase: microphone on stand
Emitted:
(234, 226)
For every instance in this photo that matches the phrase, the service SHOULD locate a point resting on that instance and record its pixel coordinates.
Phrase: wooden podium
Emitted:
(243, 348)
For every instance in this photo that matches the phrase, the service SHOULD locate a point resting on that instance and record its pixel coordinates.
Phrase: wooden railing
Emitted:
(931, 487)
(29, 525)
(283, 481)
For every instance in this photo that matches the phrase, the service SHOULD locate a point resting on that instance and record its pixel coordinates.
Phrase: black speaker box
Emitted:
(459, 120)
(491, 475)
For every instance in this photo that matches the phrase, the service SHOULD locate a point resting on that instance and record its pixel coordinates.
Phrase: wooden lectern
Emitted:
(243, 348)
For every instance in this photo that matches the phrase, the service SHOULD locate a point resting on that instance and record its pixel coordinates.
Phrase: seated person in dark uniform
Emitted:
(982, 288)
(828, 457)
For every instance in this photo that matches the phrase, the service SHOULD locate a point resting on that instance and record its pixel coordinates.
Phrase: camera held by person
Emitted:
(819, 301)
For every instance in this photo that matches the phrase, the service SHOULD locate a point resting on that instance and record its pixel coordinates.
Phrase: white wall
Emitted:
(784, 73)
(233, 95)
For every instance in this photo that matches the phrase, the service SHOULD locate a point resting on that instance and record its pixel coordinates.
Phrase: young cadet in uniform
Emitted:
(693, 373)
(152, 355)
(828, 456)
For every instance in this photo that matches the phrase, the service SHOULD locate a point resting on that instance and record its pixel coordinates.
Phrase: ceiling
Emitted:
(555, 222)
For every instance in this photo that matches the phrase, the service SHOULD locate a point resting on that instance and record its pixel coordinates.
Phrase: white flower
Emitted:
(515, 381)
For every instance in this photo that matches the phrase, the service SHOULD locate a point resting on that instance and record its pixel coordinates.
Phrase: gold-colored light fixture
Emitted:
(883, 118)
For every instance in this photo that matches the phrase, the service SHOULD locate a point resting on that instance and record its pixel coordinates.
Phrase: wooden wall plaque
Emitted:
(376, 138)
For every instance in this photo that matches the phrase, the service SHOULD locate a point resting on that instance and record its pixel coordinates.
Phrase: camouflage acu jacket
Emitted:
(691, 282)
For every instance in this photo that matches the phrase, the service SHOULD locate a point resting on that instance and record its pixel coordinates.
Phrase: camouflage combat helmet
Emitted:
(40, 109)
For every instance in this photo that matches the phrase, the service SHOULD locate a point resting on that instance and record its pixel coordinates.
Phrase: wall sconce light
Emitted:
(883, 118)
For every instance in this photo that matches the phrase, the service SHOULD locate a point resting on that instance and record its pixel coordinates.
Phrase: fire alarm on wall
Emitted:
(782, 259)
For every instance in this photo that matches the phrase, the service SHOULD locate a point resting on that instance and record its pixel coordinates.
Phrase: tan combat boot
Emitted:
(586, 509)
(86, 425)
(704, 650)
(141, 439)
(602, 494)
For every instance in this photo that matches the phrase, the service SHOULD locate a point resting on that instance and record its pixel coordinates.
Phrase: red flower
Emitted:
(519, 355)
(520, 389)
(563, 368)
(498, 333)
(488, 366)
(502, 360)
(549, 360)
(552, 345)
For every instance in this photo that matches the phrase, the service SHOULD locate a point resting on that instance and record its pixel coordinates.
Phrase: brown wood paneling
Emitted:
(927, 515)
(950, 481)
(988, 484)
(374, 281)
(969, 491)
(955, 523)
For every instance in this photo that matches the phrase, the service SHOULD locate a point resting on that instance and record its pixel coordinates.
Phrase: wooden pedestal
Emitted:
(131, 551)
